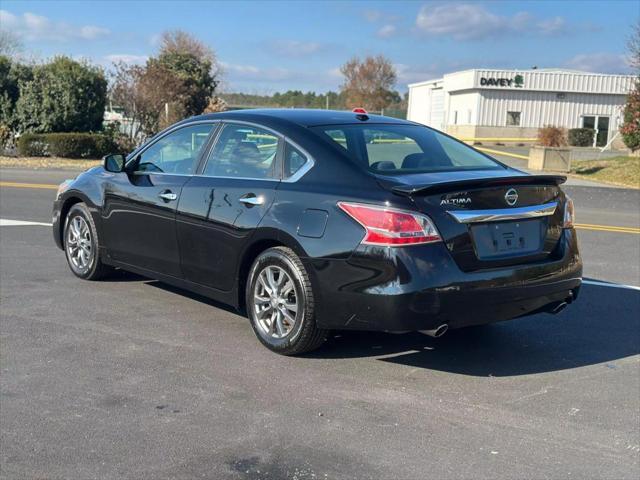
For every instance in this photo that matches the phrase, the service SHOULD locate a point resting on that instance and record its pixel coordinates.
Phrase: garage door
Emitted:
(437, 109)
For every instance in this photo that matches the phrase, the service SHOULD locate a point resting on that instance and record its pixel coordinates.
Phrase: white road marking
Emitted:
(612, 285)
(16, 223)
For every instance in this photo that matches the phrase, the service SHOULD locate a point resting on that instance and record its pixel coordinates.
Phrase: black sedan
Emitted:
(313, 220)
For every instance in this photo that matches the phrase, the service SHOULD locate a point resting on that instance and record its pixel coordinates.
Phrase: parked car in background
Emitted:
(312, 220)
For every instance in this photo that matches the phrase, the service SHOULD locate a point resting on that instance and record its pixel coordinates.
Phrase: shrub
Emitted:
(6, 136)
(62, 95)
(550, 136)
(123, 142)
(631, 125)
(581, 137)
(67, 145)
(32, 145)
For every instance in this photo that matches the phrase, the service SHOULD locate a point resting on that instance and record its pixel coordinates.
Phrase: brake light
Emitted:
(391, 227)
(359, 110)
(569, 213)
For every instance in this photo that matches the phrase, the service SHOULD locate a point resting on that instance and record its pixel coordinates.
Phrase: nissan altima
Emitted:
(311, 221)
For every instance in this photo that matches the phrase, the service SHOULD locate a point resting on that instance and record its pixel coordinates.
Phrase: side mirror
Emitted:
(114, 162)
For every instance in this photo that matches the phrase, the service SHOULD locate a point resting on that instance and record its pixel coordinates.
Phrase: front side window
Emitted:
(176, 152)
(243, 151)
(390, 149)
(513, 119)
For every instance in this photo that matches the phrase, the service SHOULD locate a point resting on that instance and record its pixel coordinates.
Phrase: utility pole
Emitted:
(327, 100)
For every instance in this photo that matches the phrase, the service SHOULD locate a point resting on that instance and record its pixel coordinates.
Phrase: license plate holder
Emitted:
(505, 239)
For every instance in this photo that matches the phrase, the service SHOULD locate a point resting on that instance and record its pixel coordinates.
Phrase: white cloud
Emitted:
(552, 26)
(387, 31)
(599, 63)
(34, 27)
(126, 58)
(436, 69)
(372, 15)
(418, 73)
(89, 32)
(155, 40)
(472, 21)
(251, 72)
(388, 23)
(295, 48)
(246, 77)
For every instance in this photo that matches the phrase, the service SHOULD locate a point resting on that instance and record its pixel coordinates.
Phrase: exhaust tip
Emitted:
(436, 332)
(558, 308)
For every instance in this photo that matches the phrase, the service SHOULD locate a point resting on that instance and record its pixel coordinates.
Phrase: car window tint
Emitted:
(176, 152)
(337, 136)
(386, 150)
(294, 159)
(243, 151)
(389, 149)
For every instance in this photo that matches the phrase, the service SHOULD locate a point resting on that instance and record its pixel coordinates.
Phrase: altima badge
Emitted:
(511, 197)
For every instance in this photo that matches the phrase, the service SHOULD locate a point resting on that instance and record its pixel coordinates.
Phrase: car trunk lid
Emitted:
(489, 219)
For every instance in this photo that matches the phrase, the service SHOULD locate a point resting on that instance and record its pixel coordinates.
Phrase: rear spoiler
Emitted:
(440, 187)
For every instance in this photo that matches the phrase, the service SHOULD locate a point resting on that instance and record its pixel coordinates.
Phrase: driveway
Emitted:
(130, 378)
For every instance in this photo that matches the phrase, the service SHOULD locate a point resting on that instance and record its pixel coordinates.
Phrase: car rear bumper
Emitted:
(421, 287)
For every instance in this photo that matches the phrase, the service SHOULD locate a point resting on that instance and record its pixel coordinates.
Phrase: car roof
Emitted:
(300, 116)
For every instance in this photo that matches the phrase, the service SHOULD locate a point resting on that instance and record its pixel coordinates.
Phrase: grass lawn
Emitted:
(48, 162)
(618, 170)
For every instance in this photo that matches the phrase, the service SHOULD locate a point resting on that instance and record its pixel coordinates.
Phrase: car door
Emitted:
(140, 204)
(221, 207)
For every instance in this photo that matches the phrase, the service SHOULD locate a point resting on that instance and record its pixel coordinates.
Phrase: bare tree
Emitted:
(177, 83)
(195, 63)
(180, 42)
(10, 44)
(151, 97)
(368, 83)
(124, 93)
(216, 104)
(633, 46)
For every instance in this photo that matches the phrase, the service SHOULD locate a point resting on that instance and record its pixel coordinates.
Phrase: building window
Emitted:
(513, 119)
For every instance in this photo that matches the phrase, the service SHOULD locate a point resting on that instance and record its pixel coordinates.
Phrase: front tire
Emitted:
(280, 303)
(81, 244)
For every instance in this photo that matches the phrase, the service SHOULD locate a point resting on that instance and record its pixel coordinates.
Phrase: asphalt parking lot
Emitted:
(130, 378)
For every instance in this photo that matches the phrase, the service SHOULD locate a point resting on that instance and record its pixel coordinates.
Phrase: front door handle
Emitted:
(251, 199)
(168, 196)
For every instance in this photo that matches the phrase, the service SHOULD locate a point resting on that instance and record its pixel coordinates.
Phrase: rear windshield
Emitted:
(390, 149)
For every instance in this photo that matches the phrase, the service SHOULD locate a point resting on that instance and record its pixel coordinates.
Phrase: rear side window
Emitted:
(400, 149)
(294, 160)
(243, 151)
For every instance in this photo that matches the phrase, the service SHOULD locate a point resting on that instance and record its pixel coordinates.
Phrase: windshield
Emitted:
(402, 149)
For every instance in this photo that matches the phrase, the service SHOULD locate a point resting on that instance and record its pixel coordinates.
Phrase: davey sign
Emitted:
(517, 81)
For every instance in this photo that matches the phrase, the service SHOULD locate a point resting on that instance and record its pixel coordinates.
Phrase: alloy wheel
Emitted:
(79, 243)
(275, 302)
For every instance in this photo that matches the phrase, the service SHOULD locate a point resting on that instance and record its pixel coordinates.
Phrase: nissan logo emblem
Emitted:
(511, 197)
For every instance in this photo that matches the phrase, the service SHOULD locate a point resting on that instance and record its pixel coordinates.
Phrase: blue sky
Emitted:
(266, 46)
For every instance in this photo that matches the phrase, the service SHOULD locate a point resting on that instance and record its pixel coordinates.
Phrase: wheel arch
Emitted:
(263, 241)
(71, 200)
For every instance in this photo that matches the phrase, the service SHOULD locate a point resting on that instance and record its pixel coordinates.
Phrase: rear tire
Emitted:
(280, 303)
(81, 245)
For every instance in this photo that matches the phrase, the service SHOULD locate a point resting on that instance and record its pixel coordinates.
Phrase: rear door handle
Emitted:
(251, 199)
(168, 196)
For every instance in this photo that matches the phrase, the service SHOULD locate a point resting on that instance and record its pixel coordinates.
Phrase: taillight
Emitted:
(569, 213)
(390, 226)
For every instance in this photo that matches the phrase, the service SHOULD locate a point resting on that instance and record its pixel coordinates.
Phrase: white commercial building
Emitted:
(516, 103)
